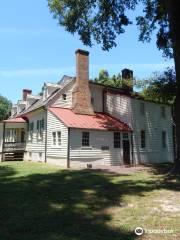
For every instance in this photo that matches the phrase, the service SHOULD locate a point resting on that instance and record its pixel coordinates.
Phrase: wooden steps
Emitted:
(13, 156)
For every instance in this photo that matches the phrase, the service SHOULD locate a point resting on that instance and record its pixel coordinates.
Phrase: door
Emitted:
(126, 152)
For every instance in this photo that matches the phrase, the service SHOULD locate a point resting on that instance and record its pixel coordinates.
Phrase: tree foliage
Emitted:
(5, 108)
(102, 21)
(161, 87)
(114, 81)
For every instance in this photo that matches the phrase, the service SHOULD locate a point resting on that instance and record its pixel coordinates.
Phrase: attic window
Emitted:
(64, 97)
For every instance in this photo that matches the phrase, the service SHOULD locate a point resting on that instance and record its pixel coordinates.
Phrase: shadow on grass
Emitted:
(169, 180)
(65, 205)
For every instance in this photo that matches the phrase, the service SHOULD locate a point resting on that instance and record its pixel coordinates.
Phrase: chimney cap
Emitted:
(80, 51)
(27, 90)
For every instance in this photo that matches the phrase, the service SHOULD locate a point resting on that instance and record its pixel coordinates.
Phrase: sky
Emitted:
(34, 49)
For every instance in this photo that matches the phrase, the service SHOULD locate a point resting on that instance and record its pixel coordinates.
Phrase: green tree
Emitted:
(103, 20)
(161, 87)
(5, 108)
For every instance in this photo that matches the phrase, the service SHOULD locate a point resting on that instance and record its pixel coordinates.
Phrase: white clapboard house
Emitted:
(77, 122)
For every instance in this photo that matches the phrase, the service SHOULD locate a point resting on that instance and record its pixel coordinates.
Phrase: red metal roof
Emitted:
(99, 121)
(15, 120)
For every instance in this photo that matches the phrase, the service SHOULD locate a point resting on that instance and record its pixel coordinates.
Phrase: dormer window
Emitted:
(64, 97)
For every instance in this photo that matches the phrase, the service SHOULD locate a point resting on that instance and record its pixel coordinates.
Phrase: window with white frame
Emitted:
(56, 139)
(40, 129)
(143, 139)
(85, 139)
(64, 96)
(117, 139)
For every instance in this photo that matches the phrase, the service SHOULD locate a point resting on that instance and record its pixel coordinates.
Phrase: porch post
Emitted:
(4, 129)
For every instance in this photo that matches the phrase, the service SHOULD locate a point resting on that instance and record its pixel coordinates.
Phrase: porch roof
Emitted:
(98, 121)
(14, 120)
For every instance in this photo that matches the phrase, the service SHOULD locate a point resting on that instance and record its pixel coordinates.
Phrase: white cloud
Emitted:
(35, 72)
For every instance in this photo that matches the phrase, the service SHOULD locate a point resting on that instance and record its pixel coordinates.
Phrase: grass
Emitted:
(43, 202)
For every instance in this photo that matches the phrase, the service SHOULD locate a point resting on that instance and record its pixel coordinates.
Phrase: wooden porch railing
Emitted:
(14, 146)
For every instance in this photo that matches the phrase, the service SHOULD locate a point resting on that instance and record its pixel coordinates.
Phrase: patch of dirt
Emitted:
(170, 203)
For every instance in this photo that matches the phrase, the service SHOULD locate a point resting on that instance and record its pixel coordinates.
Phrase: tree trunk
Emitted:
(173, 11)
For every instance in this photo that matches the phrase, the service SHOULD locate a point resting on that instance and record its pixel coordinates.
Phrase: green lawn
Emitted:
(43, 202)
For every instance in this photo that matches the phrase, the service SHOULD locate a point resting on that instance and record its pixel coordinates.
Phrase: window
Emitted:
(125, 136)
(56, 139)
(164, 143)
(59, 138)
(64, 96)
(40, 128)
(85, 139)
(142, 108)
(163, 112)
(143, 139)
(92, 100)
(117, 139)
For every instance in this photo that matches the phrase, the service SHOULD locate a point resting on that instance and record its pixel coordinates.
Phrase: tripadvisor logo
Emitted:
(139, 231)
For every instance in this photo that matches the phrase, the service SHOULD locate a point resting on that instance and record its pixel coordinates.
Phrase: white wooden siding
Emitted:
(59, 102)
(153, 124)
(81, 156)
(36, 147)
(119, 106)
(56, 155)
(97, 95)
(128, 110)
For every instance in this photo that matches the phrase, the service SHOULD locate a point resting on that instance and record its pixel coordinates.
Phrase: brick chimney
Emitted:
(127, 79)
(81, 95)
(25, 93)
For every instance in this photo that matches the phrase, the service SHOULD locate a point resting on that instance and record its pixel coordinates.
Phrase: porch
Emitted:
(14, 139)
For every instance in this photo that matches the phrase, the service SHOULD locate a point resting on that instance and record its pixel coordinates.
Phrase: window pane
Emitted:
(125, 136)
(59, 138)
(142, 108)
(85, 139)
(143, 139)
(64, 96)
(164, 139)
(54, 138)
(117, 139)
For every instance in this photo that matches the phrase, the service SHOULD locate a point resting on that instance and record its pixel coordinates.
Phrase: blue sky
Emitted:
(34, 50)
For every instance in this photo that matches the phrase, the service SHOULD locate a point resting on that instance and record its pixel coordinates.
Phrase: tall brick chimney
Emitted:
(25, 93)
(81, 95)
(127, 79)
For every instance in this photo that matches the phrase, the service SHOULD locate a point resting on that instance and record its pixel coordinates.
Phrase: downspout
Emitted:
(45, 152)
(68, 149)
(4, 128)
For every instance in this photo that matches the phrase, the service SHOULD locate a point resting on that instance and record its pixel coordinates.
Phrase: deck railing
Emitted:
(14, 146)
